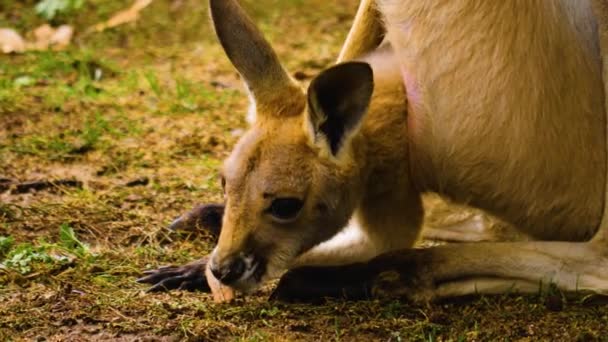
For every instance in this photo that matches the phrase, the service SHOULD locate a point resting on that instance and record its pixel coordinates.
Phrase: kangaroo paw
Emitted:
(189, 277)
(202, 217)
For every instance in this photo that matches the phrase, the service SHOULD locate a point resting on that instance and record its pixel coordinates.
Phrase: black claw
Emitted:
(154, 278)
(162, 269)
(185, 286)
(190, 277)
(167, 267)
(195, 285)
(179, 223)
(168, 284)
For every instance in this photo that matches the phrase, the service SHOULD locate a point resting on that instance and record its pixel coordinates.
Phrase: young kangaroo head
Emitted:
(292, 180)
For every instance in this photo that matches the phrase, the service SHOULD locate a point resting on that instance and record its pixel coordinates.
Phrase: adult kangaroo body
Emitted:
(502, 98)
(496, 104)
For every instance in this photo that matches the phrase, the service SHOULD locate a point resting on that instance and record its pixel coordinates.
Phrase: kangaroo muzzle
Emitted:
(237, 270)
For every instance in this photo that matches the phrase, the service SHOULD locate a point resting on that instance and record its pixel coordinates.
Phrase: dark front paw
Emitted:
(315, 284)
(189, 277)
(207, 217)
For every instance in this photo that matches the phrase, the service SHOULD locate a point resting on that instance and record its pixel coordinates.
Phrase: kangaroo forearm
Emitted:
(366, 33)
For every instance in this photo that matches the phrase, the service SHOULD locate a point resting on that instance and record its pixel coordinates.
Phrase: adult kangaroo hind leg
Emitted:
(455, 270)
(572, 266)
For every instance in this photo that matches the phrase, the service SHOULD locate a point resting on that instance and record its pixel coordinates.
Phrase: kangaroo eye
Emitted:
(285, 209)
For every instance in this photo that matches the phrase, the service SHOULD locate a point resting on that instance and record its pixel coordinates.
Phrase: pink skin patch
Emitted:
(415, 122)
(412, 88)
(414, 98)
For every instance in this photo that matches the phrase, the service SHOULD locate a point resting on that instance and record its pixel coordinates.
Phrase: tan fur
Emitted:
(504, 110)
(366, 33)
(507, 100)
(601, 13)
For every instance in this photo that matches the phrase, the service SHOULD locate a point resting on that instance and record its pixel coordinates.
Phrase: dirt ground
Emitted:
(125, 130)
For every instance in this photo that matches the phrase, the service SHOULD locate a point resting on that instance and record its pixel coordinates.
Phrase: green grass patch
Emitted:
(48, 9)
(24, 258)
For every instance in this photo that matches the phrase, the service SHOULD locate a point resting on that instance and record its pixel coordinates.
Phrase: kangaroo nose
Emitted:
(230, 271)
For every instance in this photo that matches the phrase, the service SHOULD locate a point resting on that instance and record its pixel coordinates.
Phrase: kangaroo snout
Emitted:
(237, 270)
(228, 271)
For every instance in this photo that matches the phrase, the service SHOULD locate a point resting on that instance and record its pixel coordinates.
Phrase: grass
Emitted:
(158, 100)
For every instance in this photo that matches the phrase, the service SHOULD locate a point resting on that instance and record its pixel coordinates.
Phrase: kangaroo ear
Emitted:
(338, 98)
(251, 54)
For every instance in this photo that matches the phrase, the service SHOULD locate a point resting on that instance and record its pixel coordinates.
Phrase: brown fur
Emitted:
(601, 12)
(504, 110)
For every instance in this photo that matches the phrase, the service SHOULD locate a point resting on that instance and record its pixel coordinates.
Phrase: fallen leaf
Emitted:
(123, 17)
(42, 34)
(63, 36)
(11, 41)
(47, 37)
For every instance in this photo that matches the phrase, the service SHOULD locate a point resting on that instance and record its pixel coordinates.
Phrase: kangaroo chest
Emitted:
(507, 107)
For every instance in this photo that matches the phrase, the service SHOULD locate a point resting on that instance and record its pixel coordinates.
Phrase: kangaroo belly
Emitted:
(509, 113)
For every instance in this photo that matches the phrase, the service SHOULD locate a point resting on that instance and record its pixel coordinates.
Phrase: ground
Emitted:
(139, 118)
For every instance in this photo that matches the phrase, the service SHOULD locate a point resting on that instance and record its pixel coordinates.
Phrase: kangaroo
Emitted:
(498, 105)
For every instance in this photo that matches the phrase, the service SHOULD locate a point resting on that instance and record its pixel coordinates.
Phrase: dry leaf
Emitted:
(11, 41)
(122, 17)
(63, 36)
(48, 37)
(42, 36)
(45, 37)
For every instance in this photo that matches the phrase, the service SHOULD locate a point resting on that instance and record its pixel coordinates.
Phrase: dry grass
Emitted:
(157, 103)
